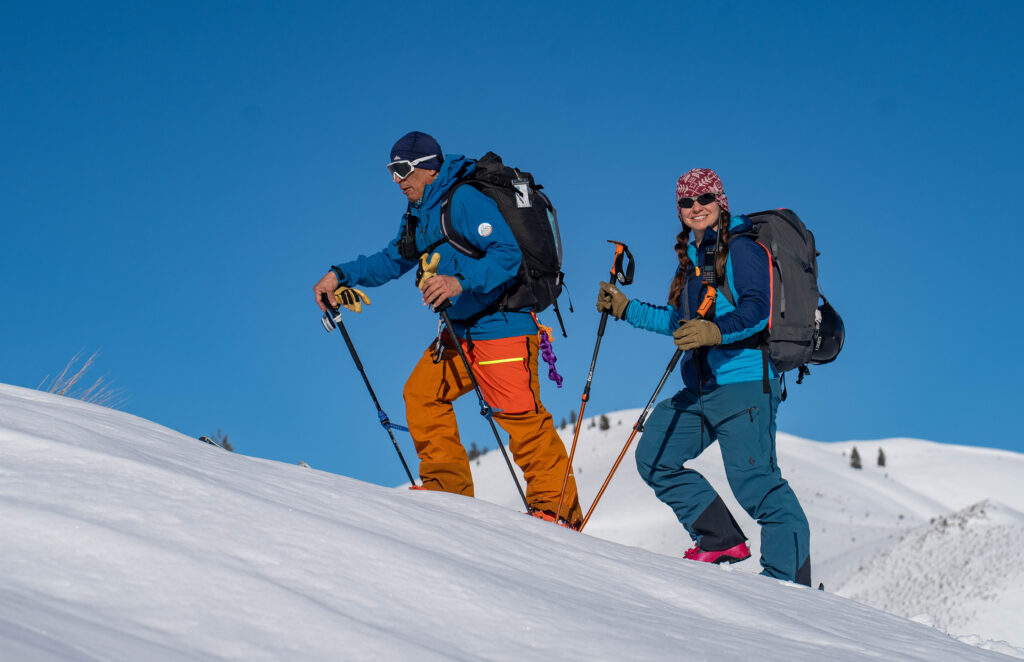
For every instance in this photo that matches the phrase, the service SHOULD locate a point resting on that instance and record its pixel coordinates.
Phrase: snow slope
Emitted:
(936, 534)
(123, 540)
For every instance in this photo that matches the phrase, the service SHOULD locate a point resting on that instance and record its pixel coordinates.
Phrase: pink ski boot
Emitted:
(734, 554)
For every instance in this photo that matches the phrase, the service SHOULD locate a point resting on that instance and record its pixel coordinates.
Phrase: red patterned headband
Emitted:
(701, 180)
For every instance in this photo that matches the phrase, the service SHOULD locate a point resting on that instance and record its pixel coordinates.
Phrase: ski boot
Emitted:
(550, 517)
(734, 554)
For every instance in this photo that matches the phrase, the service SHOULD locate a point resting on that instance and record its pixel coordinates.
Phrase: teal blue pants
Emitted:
(741, 417)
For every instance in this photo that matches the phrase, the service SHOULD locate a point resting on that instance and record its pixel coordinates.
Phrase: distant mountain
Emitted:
(936, 534)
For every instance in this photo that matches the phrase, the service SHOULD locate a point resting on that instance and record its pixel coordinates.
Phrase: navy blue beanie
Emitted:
(415, 145)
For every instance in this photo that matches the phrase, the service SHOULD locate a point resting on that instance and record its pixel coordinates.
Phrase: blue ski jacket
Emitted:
(748, 274)
(484, 280)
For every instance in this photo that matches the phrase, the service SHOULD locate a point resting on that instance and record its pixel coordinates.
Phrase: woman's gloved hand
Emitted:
(697, 333)
(612, 301)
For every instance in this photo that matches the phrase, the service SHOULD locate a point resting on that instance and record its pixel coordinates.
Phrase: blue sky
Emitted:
(176, 176)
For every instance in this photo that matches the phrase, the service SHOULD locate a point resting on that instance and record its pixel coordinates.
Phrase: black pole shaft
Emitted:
(597, 348)
(380, 412)
(661, 384)
(485, 409)
(624, 278)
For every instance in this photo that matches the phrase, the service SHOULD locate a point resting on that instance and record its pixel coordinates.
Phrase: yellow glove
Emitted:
(697, 333)
(427, 270)
(351, 298)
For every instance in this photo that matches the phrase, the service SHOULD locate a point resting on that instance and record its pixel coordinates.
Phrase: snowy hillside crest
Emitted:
(125, 540)
(975, 554)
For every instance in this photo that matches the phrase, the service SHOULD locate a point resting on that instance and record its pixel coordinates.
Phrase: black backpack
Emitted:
(804, 328)
(534, 223)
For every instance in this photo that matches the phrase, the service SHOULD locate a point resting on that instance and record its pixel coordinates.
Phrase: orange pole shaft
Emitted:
(638, 427)
(609, 478)
(572, 452)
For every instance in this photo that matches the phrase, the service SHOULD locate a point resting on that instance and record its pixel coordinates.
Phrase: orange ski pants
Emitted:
(506, 370)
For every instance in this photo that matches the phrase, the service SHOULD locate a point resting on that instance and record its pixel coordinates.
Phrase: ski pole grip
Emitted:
(622, 251)
(443, 306)
(328, 318)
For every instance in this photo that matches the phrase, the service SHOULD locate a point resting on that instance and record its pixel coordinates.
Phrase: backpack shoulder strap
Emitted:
(451, 235)
(758, 340)
(686, 296)
(724, 286)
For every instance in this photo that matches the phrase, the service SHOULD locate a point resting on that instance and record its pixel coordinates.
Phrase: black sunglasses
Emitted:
(703, 198)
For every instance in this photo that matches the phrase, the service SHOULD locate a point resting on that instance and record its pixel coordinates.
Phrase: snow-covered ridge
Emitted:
(877, 534)
(975, 556)
(124, 540)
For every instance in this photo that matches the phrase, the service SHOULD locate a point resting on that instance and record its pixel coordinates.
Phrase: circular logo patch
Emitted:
(485, 229)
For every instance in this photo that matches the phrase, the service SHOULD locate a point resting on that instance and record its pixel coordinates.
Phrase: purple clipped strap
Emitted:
(545, 350)
(549, 356)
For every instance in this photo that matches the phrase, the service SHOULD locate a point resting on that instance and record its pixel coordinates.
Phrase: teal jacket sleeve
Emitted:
(476, 217)
(379, 268)
(660, 319)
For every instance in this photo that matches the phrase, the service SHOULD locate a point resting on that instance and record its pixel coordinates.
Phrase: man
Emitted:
(502, 347)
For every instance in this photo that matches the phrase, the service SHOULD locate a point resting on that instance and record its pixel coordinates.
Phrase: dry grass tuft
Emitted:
(67, 384)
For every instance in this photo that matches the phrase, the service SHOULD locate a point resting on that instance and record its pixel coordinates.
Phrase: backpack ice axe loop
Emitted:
(332, 320)
(622, 277)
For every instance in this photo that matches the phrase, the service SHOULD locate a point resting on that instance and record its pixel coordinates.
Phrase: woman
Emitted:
(731, 390)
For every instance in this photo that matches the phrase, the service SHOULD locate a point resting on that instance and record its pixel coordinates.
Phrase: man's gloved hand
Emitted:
(436, 287)
(697, 333)
(426, 270)
(611, 300)
(351, 298)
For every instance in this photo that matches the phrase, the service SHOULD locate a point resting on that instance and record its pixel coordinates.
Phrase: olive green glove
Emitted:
(612, 301)
(427, 270)
(351, 298)
(697, 333)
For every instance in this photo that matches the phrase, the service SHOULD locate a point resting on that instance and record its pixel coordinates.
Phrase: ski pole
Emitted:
(485, 409)
(332, 321)
(638, 427)
(624, 278)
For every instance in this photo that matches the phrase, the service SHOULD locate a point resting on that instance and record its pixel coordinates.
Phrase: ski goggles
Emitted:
(703, 198)
(404, 168)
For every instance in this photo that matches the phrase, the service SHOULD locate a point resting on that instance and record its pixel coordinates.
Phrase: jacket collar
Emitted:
(737, 223)
(454, 168)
